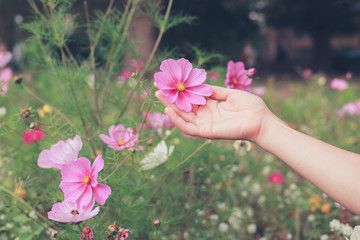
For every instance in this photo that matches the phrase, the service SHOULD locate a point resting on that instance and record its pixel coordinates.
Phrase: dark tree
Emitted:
(321, 19)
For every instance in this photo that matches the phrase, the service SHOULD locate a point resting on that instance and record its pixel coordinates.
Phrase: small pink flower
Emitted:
(5, 77)
(237, 77)
(126, 74)
(123, 234)
(214, 75)
(181, 84)
(32, 136)
(87, 234)
(260, 90)
(5, 58)
(60, 153)
(137, 65)
(157, 121)
(348, 75)
(72, 211)
(349, 109)
(157, 222)
(276, 178)
(79, 181)
(307, 73)
(338, 84)
(120, 138)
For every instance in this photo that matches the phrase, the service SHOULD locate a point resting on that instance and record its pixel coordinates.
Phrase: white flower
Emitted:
(346, 230)
(214, 218)
(355, 234)
(251, 228)
(222, 206)
(200, 212)
(244, 194)
(324, 237)
(158, 156)
(241, 147)
(334, 225)
(2, 111)
(255, 188)
(289, 236)
(235, 219)
(223, 227)
(266, 170)
(186, 235)
(216, 167)
(261, 199)
(250, 212)
(90, 81)
(311, 218)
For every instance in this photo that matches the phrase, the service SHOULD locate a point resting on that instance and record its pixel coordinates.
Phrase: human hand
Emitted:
(227, 114)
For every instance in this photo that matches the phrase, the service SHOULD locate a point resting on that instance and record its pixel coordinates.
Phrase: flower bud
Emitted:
(25, 112)
(157, 223)
(18, 79)
(32, 125)
(251, 72)
(54, 234)
(112, 229)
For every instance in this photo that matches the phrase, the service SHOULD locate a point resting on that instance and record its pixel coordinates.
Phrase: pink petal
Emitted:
(170, 95)
(203, 90)
(195, 98)
(96, 167)
(179, 70)
(76, 171)
(183, 103)
(88, 207)
(164, 80)
(101, 193)
(86, 197)
(106, 139)
(48, 160)
(196, 77)
(72, 191)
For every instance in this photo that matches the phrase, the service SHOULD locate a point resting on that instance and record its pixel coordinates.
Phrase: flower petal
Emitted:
(97, 167)
(72, 191)
(195, 98)
(86, 197)
(195, 78)
(179, 70)
(183, 103)
(101, 193)
(203, 90)
(170, 95)
(164, 80)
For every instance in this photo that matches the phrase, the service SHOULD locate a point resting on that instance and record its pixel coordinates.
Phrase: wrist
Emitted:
(271, 128)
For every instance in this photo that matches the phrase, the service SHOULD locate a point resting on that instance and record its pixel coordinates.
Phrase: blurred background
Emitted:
(275, 36)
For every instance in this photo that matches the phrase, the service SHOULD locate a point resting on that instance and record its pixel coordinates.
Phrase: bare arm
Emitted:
(241, 115)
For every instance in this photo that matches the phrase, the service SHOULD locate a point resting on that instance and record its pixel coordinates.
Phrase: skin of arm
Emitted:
(234, 114)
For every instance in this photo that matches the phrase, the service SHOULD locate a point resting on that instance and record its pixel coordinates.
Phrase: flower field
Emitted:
(86, 151)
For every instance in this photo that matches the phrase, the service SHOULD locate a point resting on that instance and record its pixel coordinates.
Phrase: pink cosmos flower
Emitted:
(181, 84)
(60, 153)
(276, 178)
(87, 234)
(126, 74)
(5, 77)
(307, 73)
(237, 77)
(79, 181)
(214, 75)
(157, 121)
(348, 75)
(349, 109)
(137, 65)
(5, 58)
(260, 90)
(120, 138)
(32, 136)
(72, 211)
(338, 84)
(123, 234)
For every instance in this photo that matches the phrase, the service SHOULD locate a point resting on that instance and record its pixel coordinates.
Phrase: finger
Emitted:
(186, 127)
(220, 93)
(187, 116)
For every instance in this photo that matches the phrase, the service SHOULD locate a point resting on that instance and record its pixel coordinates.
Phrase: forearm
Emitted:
(333, 170)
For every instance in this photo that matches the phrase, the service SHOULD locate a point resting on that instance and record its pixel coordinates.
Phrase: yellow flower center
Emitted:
(74, 212)
(180, 87)
(86, 180)
(234, 80)
(121, 142)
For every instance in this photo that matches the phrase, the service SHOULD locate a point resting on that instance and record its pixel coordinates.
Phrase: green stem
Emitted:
(27, 205)
(57, 111)
(151, 56)
(177, 166)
